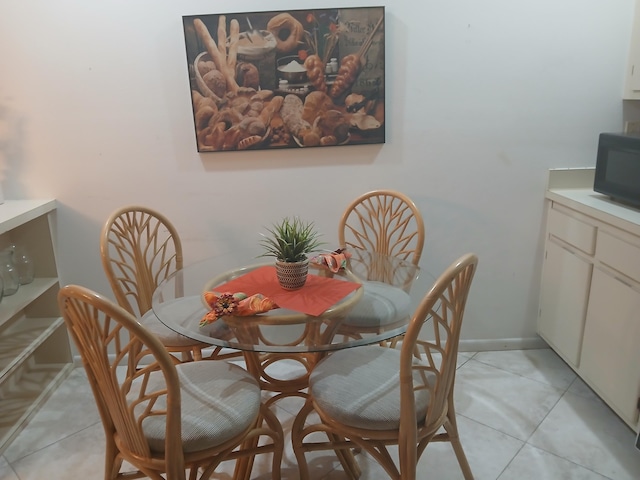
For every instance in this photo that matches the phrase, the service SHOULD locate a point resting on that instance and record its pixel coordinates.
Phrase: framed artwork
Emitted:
(287, 79)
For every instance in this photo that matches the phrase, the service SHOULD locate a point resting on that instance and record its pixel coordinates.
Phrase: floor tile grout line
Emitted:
(547, 414)
(524, 444)
(567, 391)
(527, 442)
(19, 459)
(490, 427)
(563, 389)
(553, 453)
(594, 397)
(568, 460)
(11, 467)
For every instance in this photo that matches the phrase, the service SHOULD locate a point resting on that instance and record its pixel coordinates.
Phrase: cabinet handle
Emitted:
(567, 249)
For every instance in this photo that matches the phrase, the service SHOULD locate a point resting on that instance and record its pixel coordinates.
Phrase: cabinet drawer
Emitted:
(619, 255)
(572, 231)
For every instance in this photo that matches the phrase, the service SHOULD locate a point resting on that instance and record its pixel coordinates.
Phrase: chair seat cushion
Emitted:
(218, 401)
(360, 387)
(168, 337)
(381, 305)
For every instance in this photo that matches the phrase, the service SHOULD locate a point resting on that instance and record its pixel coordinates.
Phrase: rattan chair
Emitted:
(140, 248)
(386, 222)
(163, 417)
(373, 397)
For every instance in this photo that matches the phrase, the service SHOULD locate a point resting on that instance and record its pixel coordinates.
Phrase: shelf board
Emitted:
(21, 339)
(13, 304)
(14, 213)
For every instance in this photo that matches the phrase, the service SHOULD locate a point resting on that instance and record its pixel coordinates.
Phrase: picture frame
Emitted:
(287, 79)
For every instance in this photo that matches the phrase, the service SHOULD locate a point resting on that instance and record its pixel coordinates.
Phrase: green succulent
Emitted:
(290, 240)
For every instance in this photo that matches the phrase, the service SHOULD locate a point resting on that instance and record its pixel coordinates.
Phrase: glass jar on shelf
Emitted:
(24, 264)
(9, 273)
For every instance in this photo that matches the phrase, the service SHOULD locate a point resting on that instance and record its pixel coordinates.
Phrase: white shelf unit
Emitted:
(35, 354)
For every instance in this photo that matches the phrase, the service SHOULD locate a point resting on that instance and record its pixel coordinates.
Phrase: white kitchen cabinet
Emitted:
(564, 293)
(632, 79)
(35, 354)
(590, 290)
(611, 359)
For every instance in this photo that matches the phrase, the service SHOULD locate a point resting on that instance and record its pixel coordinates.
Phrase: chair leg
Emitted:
(196, 352)
(451, 428)
(278, 443)
(346, 457)
(244, 465)
(112, 460)
(297, 439)
(408, 459)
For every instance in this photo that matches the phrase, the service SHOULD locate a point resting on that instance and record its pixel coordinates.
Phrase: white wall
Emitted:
(482, 99)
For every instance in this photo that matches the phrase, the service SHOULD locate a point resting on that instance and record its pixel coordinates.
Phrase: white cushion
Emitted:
(360, 387)
(219, 401)
(381, 305)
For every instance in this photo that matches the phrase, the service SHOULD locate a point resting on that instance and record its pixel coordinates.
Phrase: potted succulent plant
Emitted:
(290, 241)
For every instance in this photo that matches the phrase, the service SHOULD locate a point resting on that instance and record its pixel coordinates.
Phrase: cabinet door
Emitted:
(632, 80)
(610, 360)
(563, 301)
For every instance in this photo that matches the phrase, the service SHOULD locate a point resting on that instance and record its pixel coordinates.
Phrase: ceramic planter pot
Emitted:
(292, 275)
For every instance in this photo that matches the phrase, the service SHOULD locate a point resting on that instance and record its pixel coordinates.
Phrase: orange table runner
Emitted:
(317, 295)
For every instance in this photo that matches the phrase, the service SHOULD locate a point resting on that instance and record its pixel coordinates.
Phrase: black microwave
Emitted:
(618, 167)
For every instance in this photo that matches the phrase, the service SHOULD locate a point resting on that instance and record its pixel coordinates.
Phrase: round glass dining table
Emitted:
(369, 301)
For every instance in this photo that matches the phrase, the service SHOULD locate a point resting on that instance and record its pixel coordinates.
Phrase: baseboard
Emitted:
(502, 344)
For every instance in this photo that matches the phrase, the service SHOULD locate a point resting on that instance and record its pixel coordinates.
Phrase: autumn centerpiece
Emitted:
(290, 241)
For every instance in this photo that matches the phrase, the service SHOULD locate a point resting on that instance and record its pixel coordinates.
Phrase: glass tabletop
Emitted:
(378, 309)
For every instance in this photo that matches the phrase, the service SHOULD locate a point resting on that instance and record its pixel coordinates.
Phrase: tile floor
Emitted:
(523, 415)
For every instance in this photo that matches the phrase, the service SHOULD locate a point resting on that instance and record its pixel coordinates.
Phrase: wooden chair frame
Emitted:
(109, 338)
(442, 309)
(386, 222)
(140, 248)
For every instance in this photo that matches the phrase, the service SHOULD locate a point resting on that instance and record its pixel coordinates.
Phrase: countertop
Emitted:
(573, 187)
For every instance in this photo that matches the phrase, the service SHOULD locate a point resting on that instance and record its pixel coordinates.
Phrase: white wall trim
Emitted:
(502, 344)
